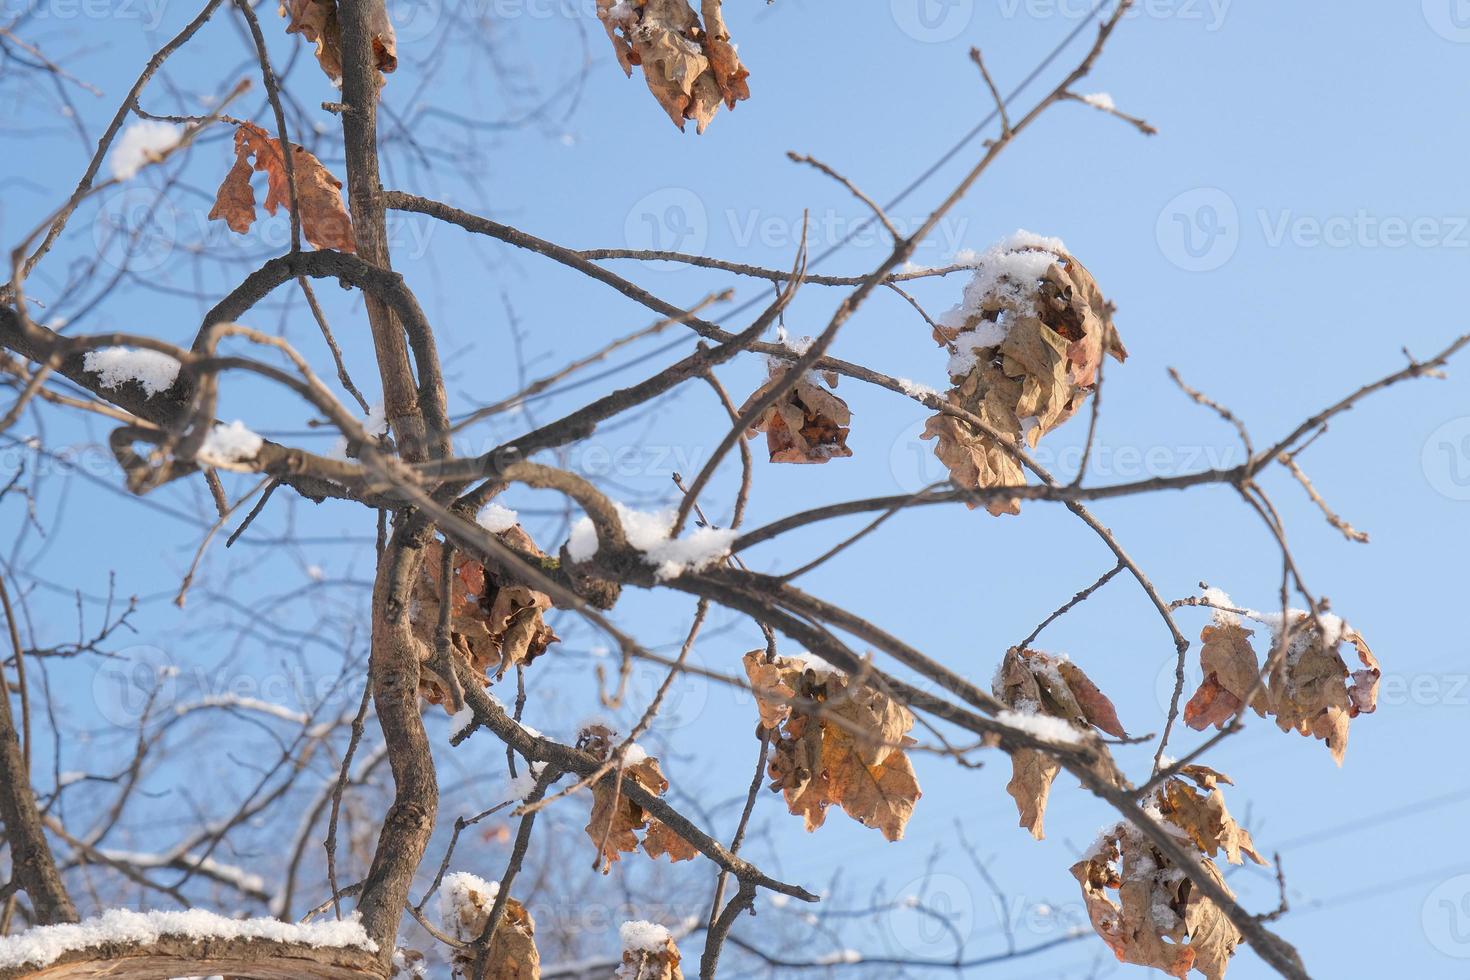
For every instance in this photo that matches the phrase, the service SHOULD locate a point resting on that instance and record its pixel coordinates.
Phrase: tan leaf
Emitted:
(324, 219)
(689, 69)
(615, 820)
(1032, 774)
(1032, 682)
(1231, 671)
(513, 954)
(1204, 818)
(235, 202)
(661, 840)
(1026, 354)
(882, 795)
(495, 623)
(772, 694)
(317, 22)
(1159, 919)
(661, 963)
(807, 425)
(837, 742)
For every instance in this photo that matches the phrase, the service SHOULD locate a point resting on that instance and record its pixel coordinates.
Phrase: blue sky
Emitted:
(1300, 219)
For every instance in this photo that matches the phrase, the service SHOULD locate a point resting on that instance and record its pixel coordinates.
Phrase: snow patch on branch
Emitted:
(496, 518)
(154, 370)
(1043, 727)
(142, 143)
(229, 444)
(43, 945)
(639, 935)
(649, 533)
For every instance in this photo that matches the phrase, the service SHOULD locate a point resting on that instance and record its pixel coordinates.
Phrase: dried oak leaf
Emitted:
(495, 623)
(324, 219)
(1159, 919)
(1026, 346)
(661, 963)
(616, 819)
(1312, 691)
(1032, 682)
(317, 22)
(1202, 815)
(1309, 689)
(836, 741)
(690, 67)
(513, 954)
(808, 424)
(1231, 671)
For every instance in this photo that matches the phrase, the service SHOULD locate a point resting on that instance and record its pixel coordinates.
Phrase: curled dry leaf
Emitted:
(1232, 672)
(808, 424)
(1309, 690)
(615, 820)
(1159, 919)
(1036, 683)
(495, 623)
(661, 963)
(690, 67)
(512, 955)
(1026, 346)
(324, 219)
(317, 22)
(836, 740)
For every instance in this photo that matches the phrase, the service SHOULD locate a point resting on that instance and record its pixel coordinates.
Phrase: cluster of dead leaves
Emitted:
(324, 219)
(317, 22)
(1049, 339)
(690, 67)
(616, 819)
(808, 424)
(836, 740)
(512, 955)
(495, 623)
(1160, 919)
(1036, 683)
(651, 964)
(1309, 689)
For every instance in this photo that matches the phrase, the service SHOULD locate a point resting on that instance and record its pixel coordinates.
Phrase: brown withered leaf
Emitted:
(513, 953)
(318, 24)
(1032, 774)
(689, 69)
(723, 61)
(615, 820)
(1025, 357)
(661, 840)
(1231, 672)
(1309, 690)
(772, 694)
(1159, 919)
(1036, 683)
(1203, 816)
(495, 623)
(808, 424)
(661, 963)
(837, 741)
(324, 219)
